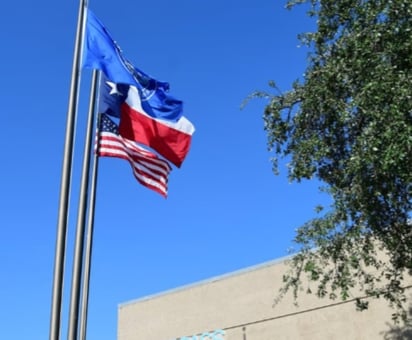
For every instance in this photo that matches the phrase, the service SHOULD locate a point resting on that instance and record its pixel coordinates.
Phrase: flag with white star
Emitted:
(111, 97)
(149, 170)
(103, 53)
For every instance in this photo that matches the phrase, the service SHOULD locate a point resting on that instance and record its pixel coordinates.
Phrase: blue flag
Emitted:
(102, 52)
(111, 96)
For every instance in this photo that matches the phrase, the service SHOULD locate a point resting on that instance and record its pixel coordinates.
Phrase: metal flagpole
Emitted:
(89, 245)
(81, 217)
(55, 318)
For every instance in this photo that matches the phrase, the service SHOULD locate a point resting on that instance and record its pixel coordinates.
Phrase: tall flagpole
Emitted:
(89, 245)
(55, 318)
(81, 217)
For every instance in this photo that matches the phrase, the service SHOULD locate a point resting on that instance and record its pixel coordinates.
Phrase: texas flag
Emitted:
(101, 52)
(168, 138)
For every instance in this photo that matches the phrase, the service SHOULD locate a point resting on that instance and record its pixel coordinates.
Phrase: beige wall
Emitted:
(241, 305)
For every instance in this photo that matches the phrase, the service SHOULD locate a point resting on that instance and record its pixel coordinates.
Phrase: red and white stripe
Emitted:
(148, 168)
(170, 139)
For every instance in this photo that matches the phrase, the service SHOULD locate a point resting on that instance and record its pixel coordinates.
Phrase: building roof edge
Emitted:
(206, 281)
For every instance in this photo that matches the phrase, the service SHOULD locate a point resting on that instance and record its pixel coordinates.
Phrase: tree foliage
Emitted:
(348, 123)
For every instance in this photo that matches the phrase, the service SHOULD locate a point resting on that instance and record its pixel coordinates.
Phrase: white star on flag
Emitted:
(113, 89)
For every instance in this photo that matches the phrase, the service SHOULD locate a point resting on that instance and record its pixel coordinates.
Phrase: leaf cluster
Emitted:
(348, 123)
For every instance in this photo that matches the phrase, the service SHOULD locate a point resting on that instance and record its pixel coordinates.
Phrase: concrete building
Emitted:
(240, 306)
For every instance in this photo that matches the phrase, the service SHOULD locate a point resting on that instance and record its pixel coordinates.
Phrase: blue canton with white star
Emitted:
(111, 97)
(107, 125)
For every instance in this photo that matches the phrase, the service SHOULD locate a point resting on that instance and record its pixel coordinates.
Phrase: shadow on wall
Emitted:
(402, 332)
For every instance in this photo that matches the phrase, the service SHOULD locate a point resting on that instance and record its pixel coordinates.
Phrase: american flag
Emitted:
(150, 170)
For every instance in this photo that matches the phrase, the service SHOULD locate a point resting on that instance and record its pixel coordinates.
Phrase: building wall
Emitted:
(240, 306)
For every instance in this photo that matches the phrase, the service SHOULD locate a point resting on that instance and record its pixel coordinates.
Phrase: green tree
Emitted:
(348, 123)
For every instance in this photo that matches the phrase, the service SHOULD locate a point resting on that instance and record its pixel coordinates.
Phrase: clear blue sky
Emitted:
(225, 211)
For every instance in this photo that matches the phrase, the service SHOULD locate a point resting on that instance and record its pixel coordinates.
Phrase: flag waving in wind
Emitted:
(102, 52)
(170, 139)
(149, 170)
